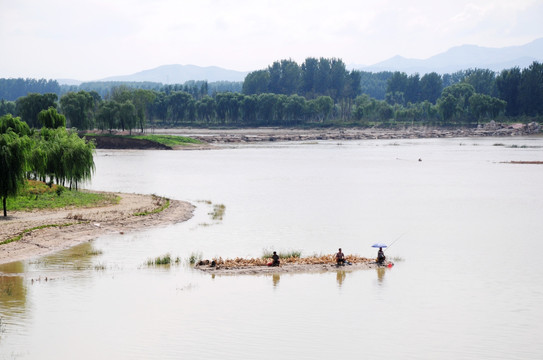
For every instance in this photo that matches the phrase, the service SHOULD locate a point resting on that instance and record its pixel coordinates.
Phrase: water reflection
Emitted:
(275, 279)
(12, 289)
(17, 267)
(79, 257)
(12, 295)
(380, 274)
(340, 277)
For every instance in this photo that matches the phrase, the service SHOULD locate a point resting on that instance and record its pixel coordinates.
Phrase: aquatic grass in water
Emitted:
(218, 211)
(163, 260)
(194, 258)
(99, 267)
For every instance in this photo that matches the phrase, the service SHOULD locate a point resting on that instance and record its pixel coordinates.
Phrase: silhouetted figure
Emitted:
(381, 257)
(275, 259)
(340, 258)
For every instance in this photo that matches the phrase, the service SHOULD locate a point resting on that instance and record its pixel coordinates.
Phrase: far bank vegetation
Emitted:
(318, 92)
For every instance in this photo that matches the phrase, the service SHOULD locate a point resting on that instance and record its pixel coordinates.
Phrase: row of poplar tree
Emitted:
(317, 92)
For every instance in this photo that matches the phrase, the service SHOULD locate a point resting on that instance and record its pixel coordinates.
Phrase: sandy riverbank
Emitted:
(86, 224)
(260, 135)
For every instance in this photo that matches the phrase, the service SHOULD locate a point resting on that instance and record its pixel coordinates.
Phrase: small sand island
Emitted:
(320, 263)
(42, 232)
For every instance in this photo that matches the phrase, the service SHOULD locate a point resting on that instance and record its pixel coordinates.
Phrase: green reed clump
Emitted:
(266, 254)
(163, 260)
(218, 211)
(194, 257)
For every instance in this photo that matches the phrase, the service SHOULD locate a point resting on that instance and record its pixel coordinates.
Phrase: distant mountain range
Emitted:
(178, 74)
(465, 57)
(173, 74)
(457, 58)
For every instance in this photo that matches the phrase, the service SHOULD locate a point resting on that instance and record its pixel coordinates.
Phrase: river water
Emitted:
(467, 284)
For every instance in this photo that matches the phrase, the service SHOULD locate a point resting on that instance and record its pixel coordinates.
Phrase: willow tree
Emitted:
(77, 159)
(62, 157)
(50, 118)
(14, 144)
(12, 164)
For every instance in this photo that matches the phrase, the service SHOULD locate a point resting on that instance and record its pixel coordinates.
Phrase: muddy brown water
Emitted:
(467, 282)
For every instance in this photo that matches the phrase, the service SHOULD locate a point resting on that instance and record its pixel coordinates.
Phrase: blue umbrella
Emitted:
(379, 245)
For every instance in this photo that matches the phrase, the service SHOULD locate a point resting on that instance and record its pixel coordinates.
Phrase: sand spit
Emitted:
(240, 266)
(83, 224)
(259, 135)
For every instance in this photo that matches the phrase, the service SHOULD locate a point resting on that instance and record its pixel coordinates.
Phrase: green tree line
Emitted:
(12, 89)
(318, 92)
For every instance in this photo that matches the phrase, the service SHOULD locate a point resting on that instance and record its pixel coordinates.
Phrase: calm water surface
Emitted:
(468, 280)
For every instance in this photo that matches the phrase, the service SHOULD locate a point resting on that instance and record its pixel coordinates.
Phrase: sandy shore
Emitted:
(85, 224)
(263, 135)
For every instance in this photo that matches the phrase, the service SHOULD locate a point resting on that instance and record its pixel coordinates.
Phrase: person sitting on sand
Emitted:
(381, 256)
(340, 258)
(275, 260)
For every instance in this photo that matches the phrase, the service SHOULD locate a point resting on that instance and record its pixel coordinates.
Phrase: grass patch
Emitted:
(218, 211)
(266, 254)
(20, 236)
(38, 195)
(168, 140)
(194, 257)
(163, 260)
(158, 200)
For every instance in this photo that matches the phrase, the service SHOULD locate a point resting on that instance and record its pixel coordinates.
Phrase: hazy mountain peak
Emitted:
(179, 74)
(464, 57)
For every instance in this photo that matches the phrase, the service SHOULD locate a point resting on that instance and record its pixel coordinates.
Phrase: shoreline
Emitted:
(85, 224)
(217, 138)
(262, 135)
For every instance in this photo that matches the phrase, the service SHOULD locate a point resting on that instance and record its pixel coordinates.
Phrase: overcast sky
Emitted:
(93, 39)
